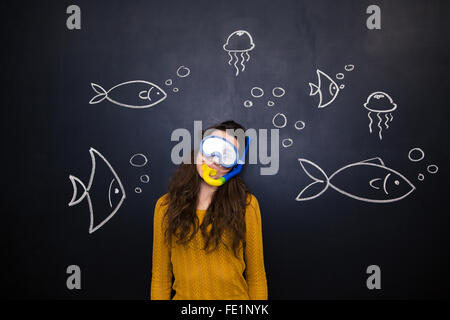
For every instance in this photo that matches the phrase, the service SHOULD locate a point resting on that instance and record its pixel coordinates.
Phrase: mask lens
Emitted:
(220, 147)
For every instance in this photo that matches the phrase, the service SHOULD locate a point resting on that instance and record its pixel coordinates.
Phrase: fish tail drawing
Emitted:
(313, 89)
(101, 94)
(74, 201)
(322, 180)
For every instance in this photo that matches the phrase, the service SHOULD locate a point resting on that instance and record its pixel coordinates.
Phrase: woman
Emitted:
(214, 232)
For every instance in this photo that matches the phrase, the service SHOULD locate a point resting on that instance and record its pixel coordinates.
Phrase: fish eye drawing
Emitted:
(380, 103)
(136, 94)
(115, 192)
(369, 180)
(239, 43)
(326, 88)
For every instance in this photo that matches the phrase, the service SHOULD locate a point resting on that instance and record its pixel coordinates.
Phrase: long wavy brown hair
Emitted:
(225, 212)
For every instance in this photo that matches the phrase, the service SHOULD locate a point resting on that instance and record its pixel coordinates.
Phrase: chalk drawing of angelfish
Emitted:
(136, 94)
(326, 88)
(115, 193)
(369, 180)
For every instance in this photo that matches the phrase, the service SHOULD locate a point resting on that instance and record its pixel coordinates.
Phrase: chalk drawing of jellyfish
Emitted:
(239, 43)
(380, 103)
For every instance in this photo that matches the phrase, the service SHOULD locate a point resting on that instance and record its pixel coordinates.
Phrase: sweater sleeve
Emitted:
(255, 271)
(161, 286)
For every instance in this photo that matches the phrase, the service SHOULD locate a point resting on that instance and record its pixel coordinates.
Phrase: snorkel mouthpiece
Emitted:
(208, 172)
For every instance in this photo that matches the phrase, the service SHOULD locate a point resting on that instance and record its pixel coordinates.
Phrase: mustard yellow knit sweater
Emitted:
(217, 275)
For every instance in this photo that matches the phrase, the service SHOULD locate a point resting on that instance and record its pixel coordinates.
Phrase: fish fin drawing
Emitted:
(74, 181)
(314, 89)
(324, 179)
(376, 160)
(101, 94)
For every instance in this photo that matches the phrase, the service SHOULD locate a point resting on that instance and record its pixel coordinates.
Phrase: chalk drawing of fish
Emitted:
(136, 94)
(369, 180)
(115, 193)
(326, 88)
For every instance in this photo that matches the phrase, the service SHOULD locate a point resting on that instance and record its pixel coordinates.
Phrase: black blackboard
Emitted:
(313, 249)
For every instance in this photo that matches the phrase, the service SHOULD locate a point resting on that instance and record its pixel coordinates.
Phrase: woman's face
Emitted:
(201, 159)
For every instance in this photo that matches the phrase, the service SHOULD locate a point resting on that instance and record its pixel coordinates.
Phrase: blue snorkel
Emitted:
(208, 172)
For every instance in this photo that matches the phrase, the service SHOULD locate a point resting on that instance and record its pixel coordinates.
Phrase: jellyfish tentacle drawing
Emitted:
(370, 122)
(387, 120)
(242, 61)
(380, 103)
(231, 58)
(381, 129)
(239, 42)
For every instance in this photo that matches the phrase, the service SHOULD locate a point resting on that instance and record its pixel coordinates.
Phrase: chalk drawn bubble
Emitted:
(168, 82)
(138, 190)
(299, 125)
(278, 92)
(144, 178)
(257, 92)
(349, 67)
(287, 142)
(416, 154)
(340, 76)
(279, 114)
(432, 168)
(183, 72)
(420, 177)
(270, 103)
(138, 160)
(175, 89)
(342, 86)
(248, 104)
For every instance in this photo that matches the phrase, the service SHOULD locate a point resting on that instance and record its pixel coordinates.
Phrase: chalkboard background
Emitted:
(312, 249)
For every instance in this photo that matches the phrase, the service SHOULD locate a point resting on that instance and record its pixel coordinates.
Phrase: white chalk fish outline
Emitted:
(375, 162)
(103, 94)
(85, 194)
(314, 89)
